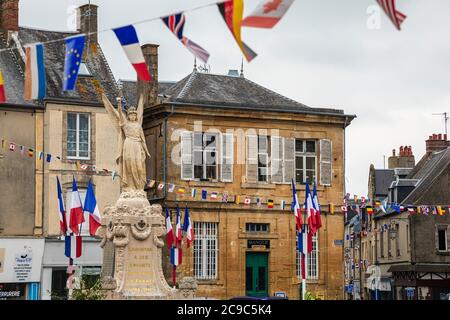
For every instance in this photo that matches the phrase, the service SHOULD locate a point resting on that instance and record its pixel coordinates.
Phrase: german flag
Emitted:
(232, 12)
(270, 204)
(369, 210)
(30, 153)
(2, 89)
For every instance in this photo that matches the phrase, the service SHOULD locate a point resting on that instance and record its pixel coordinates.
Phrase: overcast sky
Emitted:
(322, 54)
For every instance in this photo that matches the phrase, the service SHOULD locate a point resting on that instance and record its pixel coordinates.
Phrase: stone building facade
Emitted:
(216, 134)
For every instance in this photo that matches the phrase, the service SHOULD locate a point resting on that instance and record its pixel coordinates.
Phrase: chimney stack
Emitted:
(87, 21)
(149, 89)
(9, 15)
(405, 158)
(437, 142)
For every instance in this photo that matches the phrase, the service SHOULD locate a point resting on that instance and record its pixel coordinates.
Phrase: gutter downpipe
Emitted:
(343, 217)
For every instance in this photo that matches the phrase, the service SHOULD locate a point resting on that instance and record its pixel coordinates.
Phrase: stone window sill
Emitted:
(443, 253)
(257, 185)
(215, 184)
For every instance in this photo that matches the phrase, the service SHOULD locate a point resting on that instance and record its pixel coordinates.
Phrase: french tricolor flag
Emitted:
(178, 228)
(91, 207)
(310, 211)
(130, 43)
(175, 256)
(73, 244)
(35, 84)
(76, 209)
(170, 236)
(296, 207)
(62, 210)
(187, 228)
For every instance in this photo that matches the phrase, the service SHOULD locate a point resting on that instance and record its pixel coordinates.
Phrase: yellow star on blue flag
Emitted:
(74, 54)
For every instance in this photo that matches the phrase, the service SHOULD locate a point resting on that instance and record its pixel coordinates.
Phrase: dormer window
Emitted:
(84, 71)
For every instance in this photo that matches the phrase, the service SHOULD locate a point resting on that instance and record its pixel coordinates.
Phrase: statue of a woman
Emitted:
(131, 143)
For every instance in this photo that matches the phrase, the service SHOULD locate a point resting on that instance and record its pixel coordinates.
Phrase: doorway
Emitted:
(257, 274)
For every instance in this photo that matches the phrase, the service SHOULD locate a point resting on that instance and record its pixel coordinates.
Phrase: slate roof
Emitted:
(130, 90)
(88, 88)
(236, 92)
(427, 174)
(383, 179)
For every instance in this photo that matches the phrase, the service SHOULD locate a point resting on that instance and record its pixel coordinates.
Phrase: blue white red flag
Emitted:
(62, 210)
(317, 208)
(310, 211)
(175, 256)
(130, 44)
(178, 228)
(91, 207)
(35, 83)
(296, 208)
(187, 227)
(175, 23)
(76, 209)
(73, 244)
(169, 233)
(74, 55)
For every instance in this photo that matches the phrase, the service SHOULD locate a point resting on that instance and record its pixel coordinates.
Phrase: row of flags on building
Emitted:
(72, 219)
(175, 237)
(31, 152)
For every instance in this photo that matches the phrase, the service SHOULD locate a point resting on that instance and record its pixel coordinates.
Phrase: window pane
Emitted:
(210, 157)
(262, 143)
(442, 240)
(262, 160)
(210, 140)
(71, 121)
(84, 121)
(311, 175)
(299, 162)
(310, 163)
(71, 136)
(262, 174)
(211, 172)
(198, 172)
(298, 145)
(84, 136)
(299, 176)
(198, 157)
(198, 139)
(310, 146)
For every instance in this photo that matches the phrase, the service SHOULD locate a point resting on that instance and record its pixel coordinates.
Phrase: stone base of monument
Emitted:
(135, 228)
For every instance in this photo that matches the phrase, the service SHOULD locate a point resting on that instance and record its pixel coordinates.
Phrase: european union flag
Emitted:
(74, 54)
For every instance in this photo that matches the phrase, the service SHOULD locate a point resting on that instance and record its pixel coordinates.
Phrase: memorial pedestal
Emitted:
(135, 228)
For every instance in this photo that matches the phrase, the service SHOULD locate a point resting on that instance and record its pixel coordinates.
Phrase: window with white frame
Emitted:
(442, 239)
(305, 160)
(263, 158)
(312, 261)
(205, 250)
(85, 226)
(205, 155)
(78, 136)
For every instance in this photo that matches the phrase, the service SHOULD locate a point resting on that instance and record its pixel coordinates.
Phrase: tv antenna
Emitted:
(445, 114)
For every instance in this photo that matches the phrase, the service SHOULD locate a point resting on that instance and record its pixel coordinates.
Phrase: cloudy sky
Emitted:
(323, 54)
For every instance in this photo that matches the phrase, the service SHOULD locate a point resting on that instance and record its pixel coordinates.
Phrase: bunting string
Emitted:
(359, 203)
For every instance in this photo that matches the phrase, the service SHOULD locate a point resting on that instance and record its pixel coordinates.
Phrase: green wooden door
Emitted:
(256, 274)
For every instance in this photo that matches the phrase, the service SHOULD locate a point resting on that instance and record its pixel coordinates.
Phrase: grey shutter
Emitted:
(227, 157)
(289, 159)
(325, 162)
(252, 158)
(276, 154)
(187, 166)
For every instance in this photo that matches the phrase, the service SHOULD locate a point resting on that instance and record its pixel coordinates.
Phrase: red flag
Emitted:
(396, 17)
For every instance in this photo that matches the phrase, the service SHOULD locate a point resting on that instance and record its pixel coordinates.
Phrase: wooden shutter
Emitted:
(276, 163)
(252, 158)
(289, 159)
(187, 165)
(325, 162)
(227, 158)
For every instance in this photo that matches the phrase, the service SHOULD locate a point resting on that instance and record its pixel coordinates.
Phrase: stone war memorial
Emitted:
(132, 229)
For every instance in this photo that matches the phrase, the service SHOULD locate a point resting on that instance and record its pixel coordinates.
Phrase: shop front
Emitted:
(20, 268)
(55, 266)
